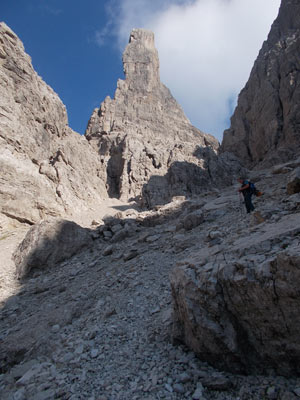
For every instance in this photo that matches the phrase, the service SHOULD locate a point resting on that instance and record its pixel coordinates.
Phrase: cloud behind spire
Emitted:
(206, 49)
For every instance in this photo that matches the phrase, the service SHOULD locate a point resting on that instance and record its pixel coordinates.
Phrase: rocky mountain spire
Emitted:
(140, 62)
(147, 145)
(265, 125)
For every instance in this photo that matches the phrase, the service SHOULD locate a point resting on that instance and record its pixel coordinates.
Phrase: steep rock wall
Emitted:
(265, 127)
(46, 168)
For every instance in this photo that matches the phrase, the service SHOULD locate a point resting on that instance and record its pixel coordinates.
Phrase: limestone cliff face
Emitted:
(139, 145)
(265, 127)
(46, 168)
(146, 143)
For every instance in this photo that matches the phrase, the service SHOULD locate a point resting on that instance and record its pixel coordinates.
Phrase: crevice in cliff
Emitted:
(18, 218)
(114, 170)
(280, 132)
(156, 164)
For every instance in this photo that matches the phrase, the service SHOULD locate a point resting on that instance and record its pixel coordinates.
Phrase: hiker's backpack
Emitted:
(254, 190)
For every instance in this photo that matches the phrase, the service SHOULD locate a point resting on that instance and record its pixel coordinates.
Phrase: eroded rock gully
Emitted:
(100, 325)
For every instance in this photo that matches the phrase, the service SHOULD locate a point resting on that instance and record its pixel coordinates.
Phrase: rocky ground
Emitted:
(99, 325)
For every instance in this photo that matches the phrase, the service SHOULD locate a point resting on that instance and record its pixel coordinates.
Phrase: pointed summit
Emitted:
(140, 60)
(147, 145)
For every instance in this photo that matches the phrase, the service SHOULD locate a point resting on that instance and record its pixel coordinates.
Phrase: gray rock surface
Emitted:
(46, 168)
(146, 143)
(236, 300)
(48, 243)
(265, 126)
(100, 324)
(293, 185)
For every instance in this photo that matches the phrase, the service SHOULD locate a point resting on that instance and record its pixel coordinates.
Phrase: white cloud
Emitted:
(206, 49)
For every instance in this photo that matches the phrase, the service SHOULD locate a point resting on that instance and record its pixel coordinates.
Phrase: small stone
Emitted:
(153, 238)
(79, 349)
(256, 218)
(93, 264)
(272, 393)
(55, 328)
(184, 377)
(297, 391)
(192, 220)
(120, 235)
(130, 255)
(169, 388)
(108, 250)
(116, 228)
(29, 375)
(45, 395)
(19, 370)
(154, 379)
(214, 234)
(198, 394)
(155, 310)
(67, 357)
(20, 395)
(288, 396)
(178, 388)
(107, 234)
(293, 185)
(94, 353)
(94, 222)
(216, 383)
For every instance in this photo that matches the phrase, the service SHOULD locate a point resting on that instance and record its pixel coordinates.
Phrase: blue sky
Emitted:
(59, 35)
(206, 49)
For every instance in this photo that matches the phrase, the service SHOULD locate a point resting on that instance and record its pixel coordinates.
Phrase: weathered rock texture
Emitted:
(49, 243)
(293, 185)
(265, 127)
(107, 310)
(146, 143)
(46, 168)
(236, 301)
(242, 318)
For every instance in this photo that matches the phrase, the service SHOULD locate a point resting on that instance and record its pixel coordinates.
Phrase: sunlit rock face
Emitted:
(265, 127)
(146, 143)
(46, 168)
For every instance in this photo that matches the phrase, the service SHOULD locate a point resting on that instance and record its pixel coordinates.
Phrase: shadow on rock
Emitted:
(60, 265)
(49, 243)
(31, 317)
(189, 179)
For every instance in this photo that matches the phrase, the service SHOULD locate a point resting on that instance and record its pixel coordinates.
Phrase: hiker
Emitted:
(247, 192)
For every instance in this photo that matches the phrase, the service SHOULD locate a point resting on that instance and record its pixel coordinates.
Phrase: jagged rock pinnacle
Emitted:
(141, 62)
(148, 146)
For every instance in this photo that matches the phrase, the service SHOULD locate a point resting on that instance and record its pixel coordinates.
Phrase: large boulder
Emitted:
(48, 243)
(264, 128)
(241, 316)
